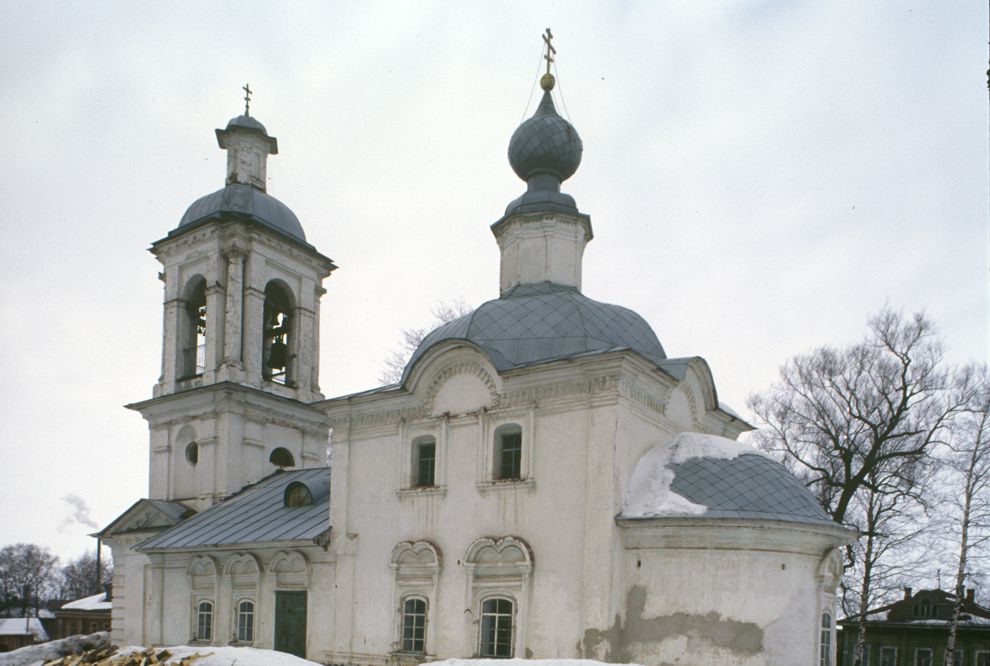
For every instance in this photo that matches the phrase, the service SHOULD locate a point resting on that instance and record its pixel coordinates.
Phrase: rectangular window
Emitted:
(496, 629)
(426, 459)
(414, 626)
(923, 657)
(983, 659)
(245, 621)
(510, 456)
(888, 656)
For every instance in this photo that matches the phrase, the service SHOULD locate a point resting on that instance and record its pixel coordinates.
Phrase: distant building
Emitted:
(85, 616)
(913, 632)
(542, 482)
(17, 632)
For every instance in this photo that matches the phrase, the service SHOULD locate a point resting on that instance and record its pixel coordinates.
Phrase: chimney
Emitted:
(970, 595)
(907, 593)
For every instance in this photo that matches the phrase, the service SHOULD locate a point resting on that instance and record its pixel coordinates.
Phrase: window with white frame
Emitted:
(424, 463)
(496, 628)
(923, 657)
(414, 625)
(507, 459)
(245, 621)
(825, 643)
(204, 621)
(888, 656)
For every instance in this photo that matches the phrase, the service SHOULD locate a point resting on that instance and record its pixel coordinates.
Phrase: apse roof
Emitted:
(242, 200)
(252, 515)
(535, 323)
(705, 475)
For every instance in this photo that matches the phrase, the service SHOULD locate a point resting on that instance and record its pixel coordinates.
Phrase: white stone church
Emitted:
(542, 482)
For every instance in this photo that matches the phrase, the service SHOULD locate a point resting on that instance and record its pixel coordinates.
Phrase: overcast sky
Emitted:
(761, 177)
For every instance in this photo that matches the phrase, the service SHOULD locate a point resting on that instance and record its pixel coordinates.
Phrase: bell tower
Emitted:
(240, 350)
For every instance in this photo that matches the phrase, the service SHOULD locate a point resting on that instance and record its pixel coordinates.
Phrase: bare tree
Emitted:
(395, 364)
(859, 425)
(968, 461)
(27, 575)
(81, 577)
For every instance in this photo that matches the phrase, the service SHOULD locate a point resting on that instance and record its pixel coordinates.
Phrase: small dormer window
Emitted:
(281, 457)
(298, 494)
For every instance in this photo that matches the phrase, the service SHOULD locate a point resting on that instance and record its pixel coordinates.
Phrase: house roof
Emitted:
(96, 602)
(255, 514)
(23, 626)
(147, 514)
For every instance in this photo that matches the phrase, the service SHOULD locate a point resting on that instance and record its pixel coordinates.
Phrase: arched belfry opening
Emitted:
(192, 349)
(278, 354)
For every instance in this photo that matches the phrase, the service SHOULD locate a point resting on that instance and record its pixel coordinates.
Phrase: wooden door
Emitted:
(290, 623)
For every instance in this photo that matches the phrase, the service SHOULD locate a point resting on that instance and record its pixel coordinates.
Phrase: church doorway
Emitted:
(290, 623)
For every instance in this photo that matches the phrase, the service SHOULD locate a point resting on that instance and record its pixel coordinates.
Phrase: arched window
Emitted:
(245, 621)
(496, 628)
(507, 460)
(276, 354)
(193, 333)
(414, 625)
(204, 621)
(192, 453)
(281, 457)
(825, 655)
(424, 462)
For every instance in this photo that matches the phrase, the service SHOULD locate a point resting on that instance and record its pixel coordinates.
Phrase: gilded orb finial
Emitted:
(547, 81)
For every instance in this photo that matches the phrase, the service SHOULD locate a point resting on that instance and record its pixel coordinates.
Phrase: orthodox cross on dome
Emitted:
(547, 80)
(247, 97)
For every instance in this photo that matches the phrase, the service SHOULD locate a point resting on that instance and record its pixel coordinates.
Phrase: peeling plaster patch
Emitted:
(743, 639)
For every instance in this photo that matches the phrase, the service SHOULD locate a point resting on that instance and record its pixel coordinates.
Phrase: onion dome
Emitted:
(708, 476)
(545, 144)
(544, 151)
(543, 322)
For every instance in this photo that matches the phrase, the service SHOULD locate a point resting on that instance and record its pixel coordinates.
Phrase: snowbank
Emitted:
(520, 662)
(35, 655)
(226, 656)
(649, 494)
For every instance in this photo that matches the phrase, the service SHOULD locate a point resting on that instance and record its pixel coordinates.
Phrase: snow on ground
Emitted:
(520, 662)
(649, 494)
(226, 656)
(35, 655)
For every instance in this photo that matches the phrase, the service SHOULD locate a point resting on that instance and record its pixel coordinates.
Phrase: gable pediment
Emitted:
(148, 515)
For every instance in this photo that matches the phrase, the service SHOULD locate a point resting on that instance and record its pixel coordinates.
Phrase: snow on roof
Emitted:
(93, 603)
(649, 493)
(20, 626)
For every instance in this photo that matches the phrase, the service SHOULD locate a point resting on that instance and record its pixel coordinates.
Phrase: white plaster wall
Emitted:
(753, 592)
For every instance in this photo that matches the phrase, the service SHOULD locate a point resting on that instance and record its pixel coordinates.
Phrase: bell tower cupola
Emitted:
(542, 234)
(240, 349)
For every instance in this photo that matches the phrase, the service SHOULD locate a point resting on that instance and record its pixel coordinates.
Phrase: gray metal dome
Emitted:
(536, 323)
(545, 143)
(248, 123)
(245, 201)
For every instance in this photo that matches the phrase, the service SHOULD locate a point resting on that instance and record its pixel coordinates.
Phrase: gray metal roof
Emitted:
(256, 514)
(749, 486)
(242, 200)
(536, 323)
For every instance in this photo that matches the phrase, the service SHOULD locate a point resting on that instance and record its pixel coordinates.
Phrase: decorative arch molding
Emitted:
(692, 401)
(291, 570)
(462, 367)
(202, 566)
(505, 557)
(242, 565)
(416, 562)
